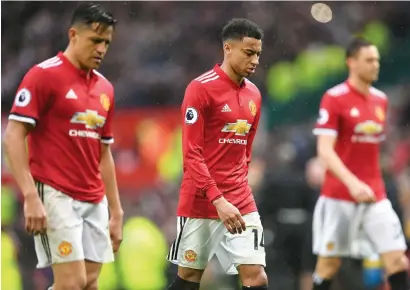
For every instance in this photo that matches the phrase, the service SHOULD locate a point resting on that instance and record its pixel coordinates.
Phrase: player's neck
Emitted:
(71, 58)
(360, 85)
(226, 68)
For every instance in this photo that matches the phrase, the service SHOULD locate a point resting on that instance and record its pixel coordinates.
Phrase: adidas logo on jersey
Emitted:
(71, 95)
(226, 109)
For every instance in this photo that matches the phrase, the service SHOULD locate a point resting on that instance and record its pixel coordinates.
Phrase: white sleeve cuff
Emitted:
(324, 131)
(22, 119)
(106, 140)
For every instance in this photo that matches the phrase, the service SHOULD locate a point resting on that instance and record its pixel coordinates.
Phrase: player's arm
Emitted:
(107, 170)
(327, 131)
(194, 109)
(252, 134)
(15, 148)
(326, 152)
(193, 129)
(31, 100)
(107, 166)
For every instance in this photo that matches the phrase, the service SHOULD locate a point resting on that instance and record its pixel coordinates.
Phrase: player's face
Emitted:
(366, 64)
(91, 44)
(244, 55)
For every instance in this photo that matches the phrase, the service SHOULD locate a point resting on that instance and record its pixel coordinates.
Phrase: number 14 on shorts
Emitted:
(258, 244)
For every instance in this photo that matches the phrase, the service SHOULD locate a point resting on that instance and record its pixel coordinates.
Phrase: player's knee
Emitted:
(395, 262)
(93, 285)
(326, 268)
(92, 282)
(191, 275)
(73, 283)
(253, 275)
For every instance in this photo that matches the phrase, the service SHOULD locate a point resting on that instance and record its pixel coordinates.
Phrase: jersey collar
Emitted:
(356, 91)
(67, 63)
(223, 76)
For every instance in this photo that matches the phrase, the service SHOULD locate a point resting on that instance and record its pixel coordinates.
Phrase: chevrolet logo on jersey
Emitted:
(240, 128)
(368, 128)
(89, 118)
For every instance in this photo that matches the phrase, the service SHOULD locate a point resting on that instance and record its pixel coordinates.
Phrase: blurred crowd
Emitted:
(158, 48)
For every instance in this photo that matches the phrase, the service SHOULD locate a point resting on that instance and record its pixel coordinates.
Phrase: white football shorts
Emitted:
(198, 240)
(346, 229)
(76, 230)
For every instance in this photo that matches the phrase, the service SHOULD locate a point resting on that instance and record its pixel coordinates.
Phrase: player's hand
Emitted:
(34, 214)
(115, 226)
(361, 192)
(230, 216)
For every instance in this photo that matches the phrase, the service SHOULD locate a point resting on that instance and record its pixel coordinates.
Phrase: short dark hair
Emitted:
(355, 45)
(88, 13)
(238, 28)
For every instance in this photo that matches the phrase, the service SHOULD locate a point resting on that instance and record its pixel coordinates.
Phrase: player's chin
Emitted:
(248, 73)
(374, 79)
(95, 63)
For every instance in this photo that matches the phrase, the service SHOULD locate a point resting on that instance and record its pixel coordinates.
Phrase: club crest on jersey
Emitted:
(105, 102)
(240, 128)
(89, 118)
(252, 108)
(379, 112)
(23, 98)
(191, 115)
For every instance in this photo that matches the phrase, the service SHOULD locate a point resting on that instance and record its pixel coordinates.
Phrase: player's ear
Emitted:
(227, 48)
(72, 32)
(349, 62)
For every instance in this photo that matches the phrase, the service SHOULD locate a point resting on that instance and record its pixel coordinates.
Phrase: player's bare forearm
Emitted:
(14, 143)
(326, 152)
(107, 169)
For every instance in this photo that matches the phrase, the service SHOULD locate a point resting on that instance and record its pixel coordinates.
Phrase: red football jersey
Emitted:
(358, 121)
(220, 120)
(72, 114)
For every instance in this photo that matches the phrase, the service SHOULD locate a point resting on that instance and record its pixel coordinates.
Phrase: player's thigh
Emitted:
(195, 244)
(247, 248)
(383, 228)
(63, 241)
(331, 227)
(96, 236)
(70, 275)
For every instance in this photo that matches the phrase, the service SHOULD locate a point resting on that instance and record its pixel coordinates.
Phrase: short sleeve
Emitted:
(33, 96)
(329, 115)
(107, 136)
